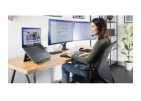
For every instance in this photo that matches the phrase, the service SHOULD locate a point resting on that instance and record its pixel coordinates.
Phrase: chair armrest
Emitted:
(86, 68)
(87, 72)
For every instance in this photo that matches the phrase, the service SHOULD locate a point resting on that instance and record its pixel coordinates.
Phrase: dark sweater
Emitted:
(95, 53)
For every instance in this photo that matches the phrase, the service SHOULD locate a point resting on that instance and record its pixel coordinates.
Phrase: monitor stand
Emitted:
(64, 46)
(26, 58)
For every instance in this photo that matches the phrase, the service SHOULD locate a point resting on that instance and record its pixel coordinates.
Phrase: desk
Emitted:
(30, 68)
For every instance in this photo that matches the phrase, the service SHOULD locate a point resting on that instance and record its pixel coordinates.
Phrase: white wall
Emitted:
(15, 45)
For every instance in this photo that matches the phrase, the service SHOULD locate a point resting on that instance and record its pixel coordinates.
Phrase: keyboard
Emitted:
(75, 53)
(35, 50)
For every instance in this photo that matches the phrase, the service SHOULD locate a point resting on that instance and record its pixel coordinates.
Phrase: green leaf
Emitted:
(128, 56)
(131, 29)
(132, 44)
(125, 27)
(125, 43)
(130, 49)
(123, 53)
(131, 37)
(123, 39)
(126, 30)
(128, 39)
(126, 47)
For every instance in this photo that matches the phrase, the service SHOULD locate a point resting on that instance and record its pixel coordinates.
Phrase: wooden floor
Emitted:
(121, 75)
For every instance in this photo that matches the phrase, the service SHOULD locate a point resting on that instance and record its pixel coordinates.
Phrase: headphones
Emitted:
(99, 28)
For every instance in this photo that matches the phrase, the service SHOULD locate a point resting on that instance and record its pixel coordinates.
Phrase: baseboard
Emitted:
(121, 63)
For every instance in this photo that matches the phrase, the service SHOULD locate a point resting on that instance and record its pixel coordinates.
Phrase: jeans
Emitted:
(67, 68)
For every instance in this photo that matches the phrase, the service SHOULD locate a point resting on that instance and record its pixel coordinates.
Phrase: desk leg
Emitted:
(27, 78)
(34, 77)
(13, 76)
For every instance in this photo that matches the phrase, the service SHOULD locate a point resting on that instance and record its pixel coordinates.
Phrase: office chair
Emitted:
(103, 70)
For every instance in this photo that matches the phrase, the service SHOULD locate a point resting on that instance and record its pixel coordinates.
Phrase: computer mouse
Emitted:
(80, 49)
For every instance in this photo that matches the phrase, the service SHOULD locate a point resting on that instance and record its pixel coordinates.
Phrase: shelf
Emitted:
(111, 22)
(113, 49)
(113, 35)
(111, 32)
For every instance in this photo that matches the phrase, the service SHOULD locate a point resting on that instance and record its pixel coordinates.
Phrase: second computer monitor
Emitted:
(82, 31)
(60, 31)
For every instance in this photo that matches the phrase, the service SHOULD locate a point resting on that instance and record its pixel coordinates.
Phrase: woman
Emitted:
(99, 28)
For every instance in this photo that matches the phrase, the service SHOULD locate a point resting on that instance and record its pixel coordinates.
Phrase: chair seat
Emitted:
(81, 79)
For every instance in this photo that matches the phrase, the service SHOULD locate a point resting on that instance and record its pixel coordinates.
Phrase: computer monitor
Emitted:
(31, 36)
(82, 31)
(60, 31)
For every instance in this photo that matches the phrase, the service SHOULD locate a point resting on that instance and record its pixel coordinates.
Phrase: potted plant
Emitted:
(128, 44)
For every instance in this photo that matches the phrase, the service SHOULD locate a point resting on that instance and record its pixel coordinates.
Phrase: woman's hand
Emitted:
(69, 54)
(82, 49)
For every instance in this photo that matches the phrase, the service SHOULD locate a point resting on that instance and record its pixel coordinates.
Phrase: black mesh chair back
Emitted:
(104, 70)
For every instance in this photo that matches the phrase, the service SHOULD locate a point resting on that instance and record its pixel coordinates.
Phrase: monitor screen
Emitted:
(31, 35)
(60, 31)
(82, 31)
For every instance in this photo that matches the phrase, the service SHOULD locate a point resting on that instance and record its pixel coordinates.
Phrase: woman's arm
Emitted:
(96, 50)
(88, 50)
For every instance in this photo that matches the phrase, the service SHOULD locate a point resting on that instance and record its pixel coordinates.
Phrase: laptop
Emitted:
(31, 43)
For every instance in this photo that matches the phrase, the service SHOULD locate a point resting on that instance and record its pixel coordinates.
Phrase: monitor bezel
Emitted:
(58, 42)
(33, 43)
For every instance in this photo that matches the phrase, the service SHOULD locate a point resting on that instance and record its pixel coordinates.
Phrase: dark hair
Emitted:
(103, 33)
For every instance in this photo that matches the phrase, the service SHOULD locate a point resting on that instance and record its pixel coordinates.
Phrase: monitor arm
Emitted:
(64, 46)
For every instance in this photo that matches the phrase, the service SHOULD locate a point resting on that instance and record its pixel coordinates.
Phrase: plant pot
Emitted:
(128, 66)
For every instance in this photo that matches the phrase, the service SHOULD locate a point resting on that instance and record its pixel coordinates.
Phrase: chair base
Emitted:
(80, 79)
